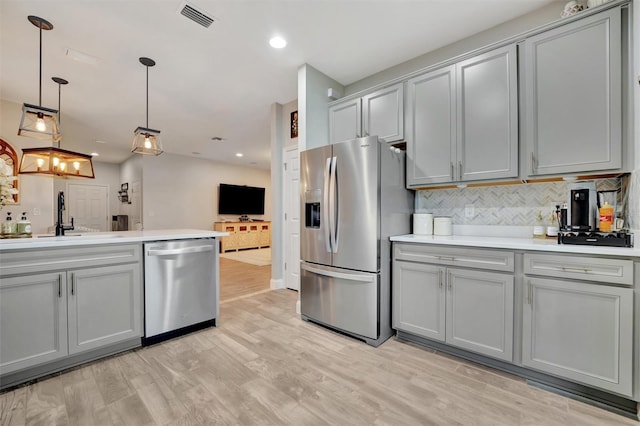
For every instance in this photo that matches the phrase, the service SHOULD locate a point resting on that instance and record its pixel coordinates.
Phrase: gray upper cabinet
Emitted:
(571, 80)
(487, 106)
(380, 113)
(345, 121)
(462, 121)
(431, 127)
(33, 320)
(383, 113)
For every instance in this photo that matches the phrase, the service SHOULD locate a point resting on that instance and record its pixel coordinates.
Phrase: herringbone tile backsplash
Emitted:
(517, 205)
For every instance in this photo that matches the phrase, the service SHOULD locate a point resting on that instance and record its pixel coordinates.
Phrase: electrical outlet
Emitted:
(36, 211)
(469, 210)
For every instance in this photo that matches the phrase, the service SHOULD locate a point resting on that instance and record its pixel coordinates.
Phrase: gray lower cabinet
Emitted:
(466, 308)
(462, 121)
(90, 301)
(579, 331)
(33, 320)
(104, 306)
(572, 90)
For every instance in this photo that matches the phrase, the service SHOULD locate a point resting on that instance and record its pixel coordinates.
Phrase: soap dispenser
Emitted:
(8, 227)
(24, 226)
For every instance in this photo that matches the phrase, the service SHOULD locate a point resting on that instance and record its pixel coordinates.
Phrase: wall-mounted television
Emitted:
(242, 200)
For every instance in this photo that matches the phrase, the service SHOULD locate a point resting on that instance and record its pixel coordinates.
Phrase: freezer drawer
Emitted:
(347, 300)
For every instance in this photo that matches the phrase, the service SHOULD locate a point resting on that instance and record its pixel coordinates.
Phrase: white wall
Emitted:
(500, 32)
(35, 191)
(182, 192)
(131, 173)
(313, 115)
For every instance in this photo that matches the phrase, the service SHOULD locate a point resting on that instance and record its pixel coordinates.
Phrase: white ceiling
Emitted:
(218, 81)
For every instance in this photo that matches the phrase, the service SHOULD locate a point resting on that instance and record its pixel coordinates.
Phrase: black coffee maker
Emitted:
(582, 206)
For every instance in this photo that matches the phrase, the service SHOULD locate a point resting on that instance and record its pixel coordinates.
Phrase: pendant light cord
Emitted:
(147, 96)
(59, 112)
(40, 82)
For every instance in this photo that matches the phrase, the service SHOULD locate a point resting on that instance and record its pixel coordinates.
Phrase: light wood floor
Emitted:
(239, 279)
(263, 365)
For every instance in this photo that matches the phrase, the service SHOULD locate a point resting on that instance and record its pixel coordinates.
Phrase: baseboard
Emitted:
(298, 306)
(276, 284)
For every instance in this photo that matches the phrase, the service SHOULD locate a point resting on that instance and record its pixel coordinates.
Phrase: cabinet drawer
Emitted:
(53, 259)
(495, 260)
(612, 271)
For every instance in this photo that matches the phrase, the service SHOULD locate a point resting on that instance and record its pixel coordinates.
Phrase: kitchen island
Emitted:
(563, 316)
(71, 299)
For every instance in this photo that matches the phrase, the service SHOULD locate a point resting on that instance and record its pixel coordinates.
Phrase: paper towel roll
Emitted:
(422, 223)
(442, 225)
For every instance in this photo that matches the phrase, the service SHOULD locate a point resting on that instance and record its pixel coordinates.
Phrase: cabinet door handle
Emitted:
(73, 284)
(529, 292)
(59, 285)
(449, 281)
(459, 170)
(452, 176)
(533, 163)
(440, 277)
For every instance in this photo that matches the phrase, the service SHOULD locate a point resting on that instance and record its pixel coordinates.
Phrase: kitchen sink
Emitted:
(88, 235)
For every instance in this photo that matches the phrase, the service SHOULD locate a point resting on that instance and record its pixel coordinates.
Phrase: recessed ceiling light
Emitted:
(277, 42)
(94, 154)
(239, 154)
(97, 141)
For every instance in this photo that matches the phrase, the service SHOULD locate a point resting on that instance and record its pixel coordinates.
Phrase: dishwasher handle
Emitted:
(185, 250)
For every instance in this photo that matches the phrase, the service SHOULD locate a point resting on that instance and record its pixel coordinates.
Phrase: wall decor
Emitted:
(8, 154)
(294, 124)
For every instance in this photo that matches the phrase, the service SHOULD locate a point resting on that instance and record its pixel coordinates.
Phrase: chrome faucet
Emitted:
(60, 228)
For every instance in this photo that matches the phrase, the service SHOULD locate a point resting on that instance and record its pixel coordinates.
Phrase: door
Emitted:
(419, 299)
(33, 320)
(480, 312)
(487, 103)
(345, 121)
(105, 306)
(356, 212)
(431, 127)
(292, 219)
(383, 113)
(572, 120)
(88, 206)
(580, 331)
(314, 205)
(340, 298)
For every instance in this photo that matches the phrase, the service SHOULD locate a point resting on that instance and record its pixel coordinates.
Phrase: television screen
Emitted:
(242, 200)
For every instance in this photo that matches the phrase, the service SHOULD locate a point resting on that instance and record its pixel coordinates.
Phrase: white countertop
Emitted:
(117, 237)
(546, 245)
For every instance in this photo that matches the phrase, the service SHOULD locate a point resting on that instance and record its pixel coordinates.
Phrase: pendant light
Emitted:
(54, 161)
(146, 140)
(37, 121)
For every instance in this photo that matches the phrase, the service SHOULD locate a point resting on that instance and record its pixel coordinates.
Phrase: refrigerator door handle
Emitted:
(333, 274)
(333, 191)
(325, 205)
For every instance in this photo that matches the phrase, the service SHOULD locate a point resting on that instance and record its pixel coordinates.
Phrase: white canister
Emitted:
(422, 223)
(442, 225)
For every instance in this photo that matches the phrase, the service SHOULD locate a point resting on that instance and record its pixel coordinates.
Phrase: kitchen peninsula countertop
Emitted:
(95, 238)
(529, 244)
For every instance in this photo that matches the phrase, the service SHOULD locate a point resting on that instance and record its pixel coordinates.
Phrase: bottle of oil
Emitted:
(606, 217)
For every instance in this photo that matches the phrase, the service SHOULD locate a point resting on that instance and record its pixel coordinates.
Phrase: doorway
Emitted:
(292, 218)
(88, 206)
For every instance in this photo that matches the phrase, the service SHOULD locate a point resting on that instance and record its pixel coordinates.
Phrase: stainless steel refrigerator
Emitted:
(353, 197)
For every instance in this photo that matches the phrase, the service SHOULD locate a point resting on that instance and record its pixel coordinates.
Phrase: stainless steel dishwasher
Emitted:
(180, 287)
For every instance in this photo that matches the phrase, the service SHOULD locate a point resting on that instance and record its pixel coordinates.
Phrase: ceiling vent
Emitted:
(196, 14)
